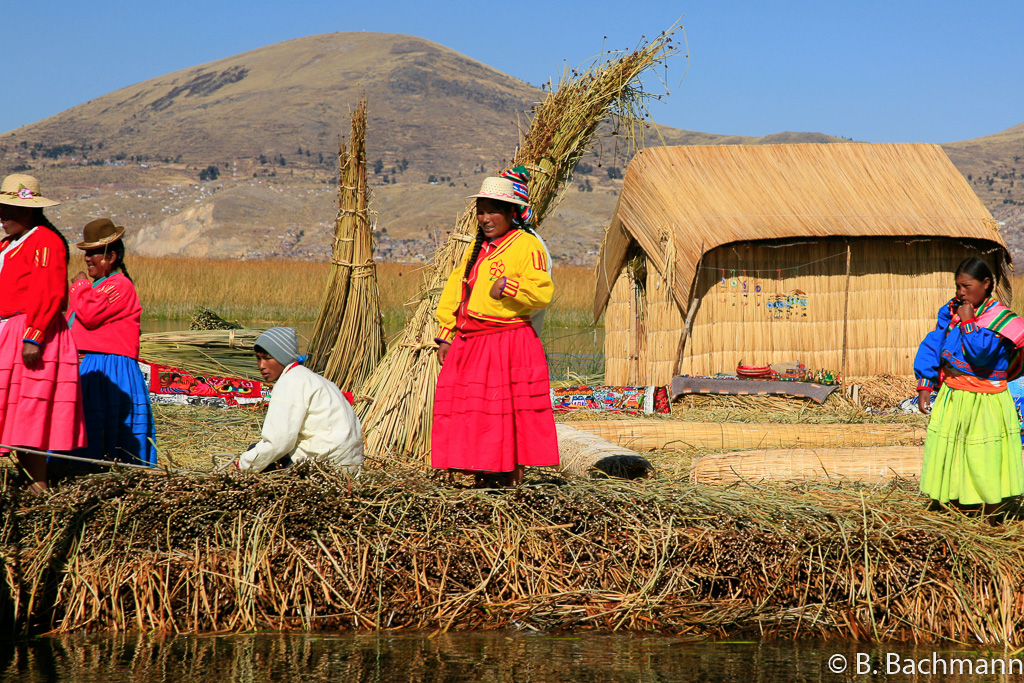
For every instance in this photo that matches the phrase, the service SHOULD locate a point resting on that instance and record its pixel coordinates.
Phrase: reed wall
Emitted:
(859, 306)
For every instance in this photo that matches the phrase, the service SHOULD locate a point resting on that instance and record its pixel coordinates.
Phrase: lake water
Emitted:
(572, 351)
(476, 657)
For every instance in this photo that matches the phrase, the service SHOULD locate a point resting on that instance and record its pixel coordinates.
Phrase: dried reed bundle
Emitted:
(868, 464)
(204, 319)
(653, 434)
(313, 550)
(348, 339)
(207, 339)
(884, 392)
(398, 411)
(221, 361)
(582, 454)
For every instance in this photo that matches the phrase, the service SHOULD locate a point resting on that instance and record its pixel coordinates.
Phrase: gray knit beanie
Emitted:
(281, 343)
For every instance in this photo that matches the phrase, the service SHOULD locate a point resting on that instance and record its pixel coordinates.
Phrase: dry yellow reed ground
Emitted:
(280, 290)
(186, 436)
(1017, 284)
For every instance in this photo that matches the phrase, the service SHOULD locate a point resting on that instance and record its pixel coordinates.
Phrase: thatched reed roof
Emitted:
(704, 197)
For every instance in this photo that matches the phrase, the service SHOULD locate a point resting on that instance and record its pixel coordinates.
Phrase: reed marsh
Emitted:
(281, 290)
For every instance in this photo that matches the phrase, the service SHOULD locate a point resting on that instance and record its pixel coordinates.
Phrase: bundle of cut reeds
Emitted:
(582, 454)
(207, 339)
(224, 353)
(651, 434)
(866, 464)
(399, 394)
(348, 339)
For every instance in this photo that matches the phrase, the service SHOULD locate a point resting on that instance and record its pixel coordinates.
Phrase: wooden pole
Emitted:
(846, 317)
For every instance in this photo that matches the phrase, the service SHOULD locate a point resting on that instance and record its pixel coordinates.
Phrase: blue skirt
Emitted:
(118, 418)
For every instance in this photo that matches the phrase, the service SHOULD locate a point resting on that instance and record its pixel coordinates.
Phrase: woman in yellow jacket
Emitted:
(492, 407)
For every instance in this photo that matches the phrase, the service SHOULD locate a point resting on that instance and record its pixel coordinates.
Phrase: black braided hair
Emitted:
(39, 218)
(117, 247)
(478, 244)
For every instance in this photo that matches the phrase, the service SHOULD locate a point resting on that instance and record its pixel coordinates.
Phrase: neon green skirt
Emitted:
(972, 451)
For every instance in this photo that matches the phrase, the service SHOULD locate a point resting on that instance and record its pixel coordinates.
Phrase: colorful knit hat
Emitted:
(520, 176)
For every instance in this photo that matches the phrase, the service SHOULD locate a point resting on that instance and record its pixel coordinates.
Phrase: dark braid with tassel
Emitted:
(475, 254)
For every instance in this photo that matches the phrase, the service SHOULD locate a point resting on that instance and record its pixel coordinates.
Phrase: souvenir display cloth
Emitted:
(682, 386)
(181, 386)
(633, 400)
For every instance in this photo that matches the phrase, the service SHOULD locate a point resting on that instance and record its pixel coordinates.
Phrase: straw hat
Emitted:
(23, 190)
(100, 233)
(501, 189)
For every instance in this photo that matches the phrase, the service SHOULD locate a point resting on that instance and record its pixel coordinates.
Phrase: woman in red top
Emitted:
(40, 398)
(105, 321)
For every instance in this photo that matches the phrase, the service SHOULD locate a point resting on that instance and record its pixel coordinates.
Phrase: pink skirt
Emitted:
(40, 408)
(492, 407)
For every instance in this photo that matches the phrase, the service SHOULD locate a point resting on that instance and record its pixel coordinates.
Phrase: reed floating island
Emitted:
(398, 549)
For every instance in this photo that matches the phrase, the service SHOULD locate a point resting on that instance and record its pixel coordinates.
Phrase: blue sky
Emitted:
(873, 70)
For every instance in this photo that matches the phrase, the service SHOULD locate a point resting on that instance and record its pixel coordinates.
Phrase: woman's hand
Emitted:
(924, 400)
(31, 354)
(496, 288)
(966, 311)
(442, 351)
(79, 276)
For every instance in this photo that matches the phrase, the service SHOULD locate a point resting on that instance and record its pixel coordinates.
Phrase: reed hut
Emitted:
(836, 255)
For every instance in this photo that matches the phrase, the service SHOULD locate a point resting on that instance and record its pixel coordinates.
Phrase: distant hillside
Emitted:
(994, 166)
(237, 158)
(430, 105)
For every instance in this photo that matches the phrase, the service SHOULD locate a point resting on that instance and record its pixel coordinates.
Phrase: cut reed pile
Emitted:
(397, 412)
(311, 549)
(348, 339)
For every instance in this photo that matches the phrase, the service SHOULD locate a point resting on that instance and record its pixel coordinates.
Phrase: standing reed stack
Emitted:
(348, 340)
(397, 417)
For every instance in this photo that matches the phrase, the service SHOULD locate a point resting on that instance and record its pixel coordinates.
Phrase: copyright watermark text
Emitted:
(865, 664)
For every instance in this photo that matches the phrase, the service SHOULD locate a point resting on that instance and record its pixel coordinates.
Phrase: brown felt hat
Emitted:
(19, 189)
(99, 233)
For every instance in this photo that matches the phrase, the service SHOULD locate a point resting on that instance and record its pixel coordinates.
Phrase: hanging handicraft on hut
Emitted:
(788, 305)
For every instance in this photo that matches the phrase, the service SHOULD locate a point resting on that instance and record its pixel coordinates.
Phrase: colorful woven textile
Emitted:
(633, 400)
(167, 381)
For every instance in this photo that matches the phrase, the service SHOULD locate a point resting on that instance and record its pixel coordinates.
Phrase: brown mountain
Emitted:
(237, 157)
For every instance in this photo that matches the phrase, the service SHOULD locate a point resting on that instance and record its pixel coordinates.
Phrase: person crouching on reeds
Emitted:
(307, 417)
(972, 450)
(492, 406)
(40, 397)
(105, 318)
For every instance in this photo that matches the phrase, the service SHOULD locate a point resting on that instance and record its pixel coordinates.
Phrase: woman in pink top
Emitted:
(105, 316)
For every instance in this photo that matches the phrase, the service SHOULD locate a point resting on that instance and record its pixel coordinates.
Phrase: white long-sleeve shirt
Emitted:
(308, 417)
